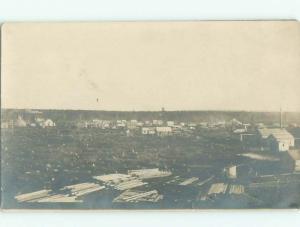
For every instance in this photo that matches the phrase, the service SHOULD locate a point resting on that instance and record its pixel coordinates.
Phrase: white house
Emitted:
(132, 124)
(279, 139)
(170, 123)
(20, 122)
(148, 131)
(140, 124)
(82, 124)
(105, 124)
(96, 123)
(47, 123)
(148, 123)
(133, 121)
(163, 131)
(281, 142)
(121, 124)
(157, 122)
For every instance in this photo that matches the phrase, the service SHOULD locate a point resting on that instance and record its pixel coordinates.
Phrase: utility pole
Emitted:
(281, 123)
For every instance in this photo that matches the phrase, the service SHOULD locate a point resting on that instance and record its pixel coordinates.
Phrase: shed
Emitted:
(278, 139)
(281, 141)
(238, 171)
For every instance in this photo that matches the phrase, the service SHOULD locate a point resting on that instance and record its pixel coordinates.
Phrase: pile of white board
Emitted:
(217, 188)
(68, 194)
(222, 189)
(83, 188)
(138, 196)
(58, 198)
(189, 181)
(129, 184)
(236, 189)
(114, 178)
(149, 173)
(174, 180)
(27, 197)
(120, 181)
(45, 196)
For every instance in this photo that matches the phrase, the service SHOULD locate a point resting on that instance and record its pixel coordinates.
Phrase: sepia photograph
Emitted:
(165, 115)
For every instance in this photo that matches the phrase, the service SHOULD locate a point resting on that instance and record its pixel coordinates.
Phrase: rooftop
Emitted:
(277, 133)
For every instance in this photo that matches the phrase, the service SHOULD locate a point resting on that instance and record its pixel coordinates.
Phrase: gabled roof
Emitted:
(282, 135)
(277, 133)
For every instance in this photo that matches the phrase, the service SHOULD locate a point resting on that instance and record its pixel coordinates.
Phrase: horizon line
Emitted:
(183, 110)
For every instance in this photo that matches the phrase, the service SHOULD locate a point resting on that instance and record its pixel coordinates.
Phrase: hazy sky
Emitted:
(149, 65)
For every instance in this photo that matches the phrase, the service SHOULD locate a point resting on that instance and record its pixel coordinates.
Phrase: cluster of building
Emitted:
(20, 122)
(154, 127)
(158, 126)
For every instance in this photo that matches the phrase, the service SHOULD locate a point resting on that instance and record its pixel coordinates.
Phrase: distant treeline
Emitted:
(63, 116)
